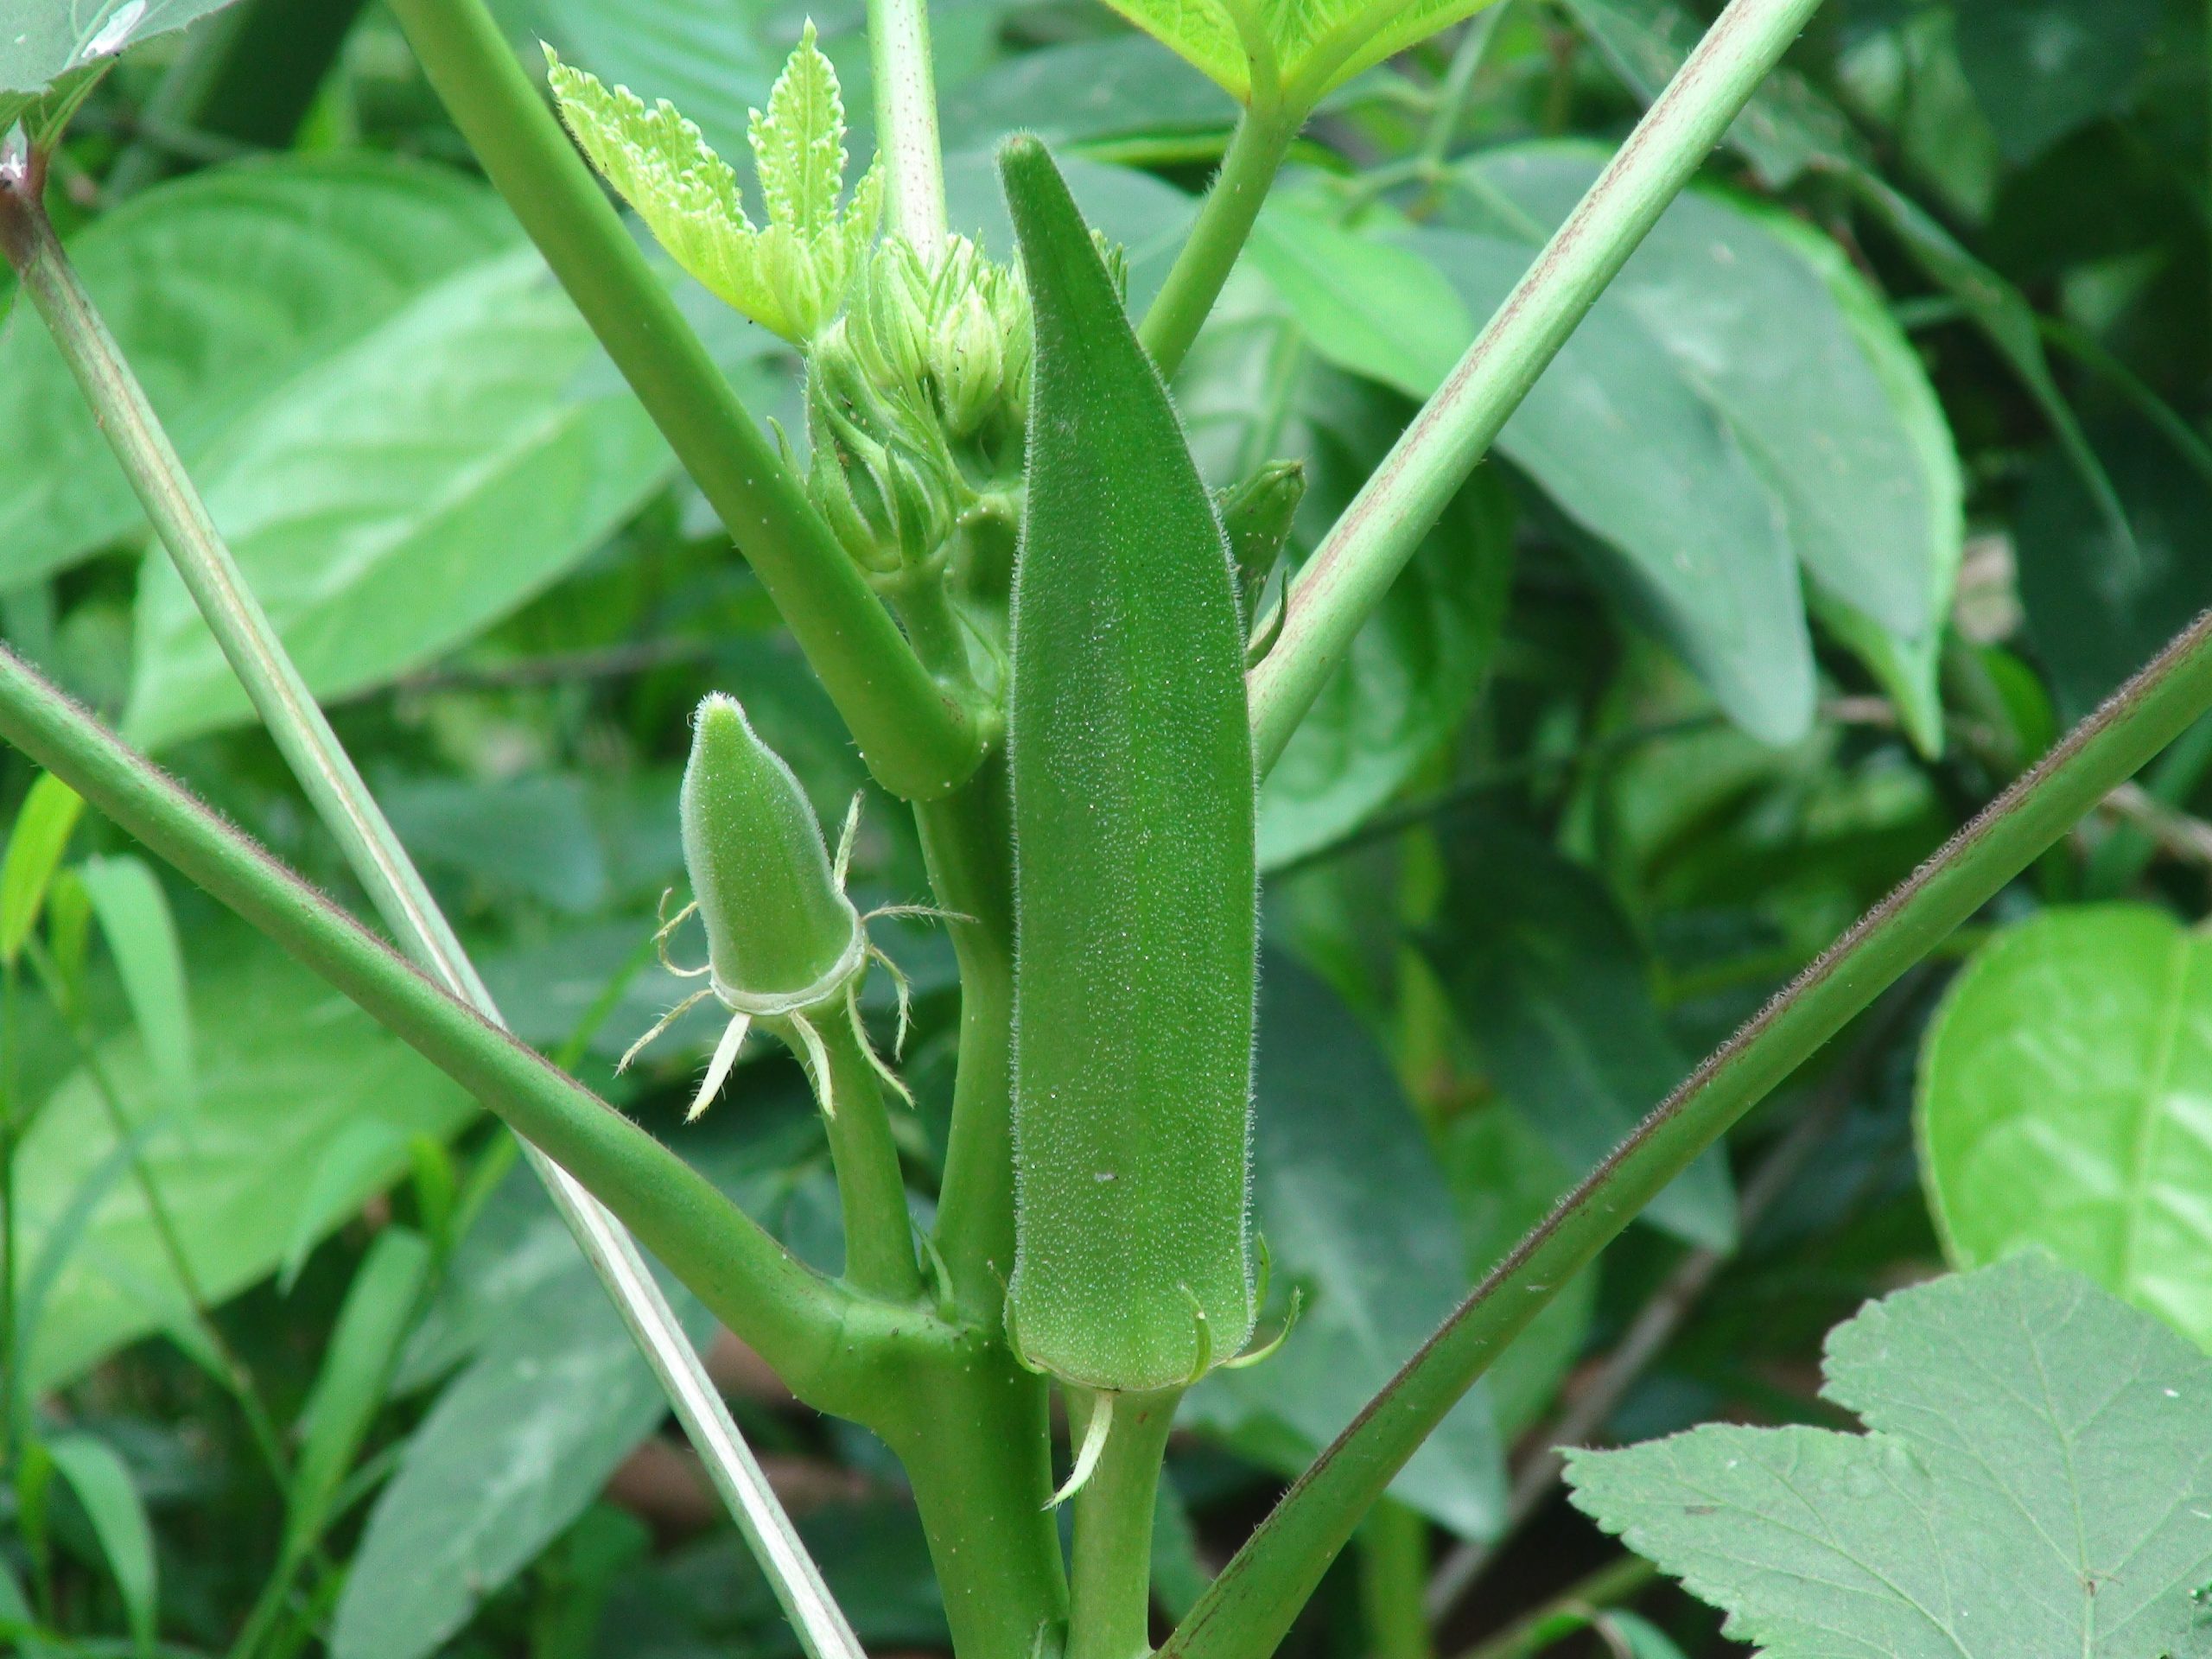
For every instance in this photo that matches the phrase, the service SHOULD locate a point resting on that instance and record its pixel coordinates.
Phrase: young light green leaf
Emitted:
(2035, 1478)
(134, 914)
(1135, 884)
(1294, 51)
(798, 142)
(2059, 1105)
(791, 277)
(103, 1485)
(378, 1312)
(43, 825)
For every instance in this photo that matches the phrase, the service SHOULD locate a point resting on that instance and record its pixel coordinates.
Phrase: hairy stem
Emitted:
(1109, 1594)
(871, 1190)
(819, 1336)
(342, 800)
(917, 739)
(905, 120)
(968, 841)
(1232, 206)
(1246, 1610)
(1361, 556)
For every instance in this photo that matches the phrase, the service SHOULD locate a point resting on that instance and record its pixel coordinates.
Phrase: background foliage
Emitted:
(1884, 456)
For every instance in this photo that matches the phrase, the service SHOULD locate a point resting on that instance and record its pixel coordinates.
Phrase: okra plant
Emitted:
(1092, 670)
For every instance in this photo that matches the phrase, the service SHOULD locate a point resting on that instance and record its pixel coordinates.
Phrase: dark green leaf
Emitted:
(2035, 1478)
(103, 1487)
(1356, 1215)
(45, 40)
(2043, 67)
(1546, 977)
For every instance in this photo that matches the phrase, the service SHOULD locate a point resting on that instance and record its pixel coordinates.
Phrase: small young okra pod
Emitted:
(1135, 880)
(784, 945)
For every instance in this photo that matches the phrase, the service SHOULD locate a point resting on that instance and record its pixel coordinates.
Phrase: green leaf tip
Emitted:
(790, 275)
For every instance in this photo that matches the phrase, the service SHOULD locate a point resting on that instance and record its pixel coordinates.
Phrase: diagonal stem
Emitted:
(343, 801)
(918, 738)
(1361, 556)
(1248, 1608)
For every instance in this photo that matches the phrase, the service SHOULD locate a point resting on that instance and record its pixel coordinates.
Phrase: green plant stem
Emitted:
(1246, 1610)
(967, 840)
(343, 801)
(1609, 1587)
(917, 739)
(905, 120)
(1361, 556)
(11, 1356)
(819, 1336)
(871, 1190)
(1110, 1590)
(1394, 1582)
(1232, 206)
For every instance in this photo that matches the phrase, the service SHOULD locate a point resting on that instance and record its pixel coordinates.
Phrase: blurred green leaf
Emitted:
(516, 1447)
(133, 908)
(2061, 1105)
(2035, 1479)
(2043, 67)
(356, 1374)
(2097, 602)
(331, 1192)
(285, 1065)
(221, 289)
(103, 1485)
(45, 40)
(1083, 92)
(41, 835)
(1546, 977)
(1306, 49)
(1356, 1215)
(383, 514)
(1147, 217)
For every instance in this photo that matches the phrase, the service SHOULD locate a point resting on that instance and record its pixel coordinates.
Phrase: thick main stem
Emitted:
(1109, 1589)
(1224, 223)
(1246, 1610)
(918, 740)
(342, 800)
(905, 120)
(1361, 556)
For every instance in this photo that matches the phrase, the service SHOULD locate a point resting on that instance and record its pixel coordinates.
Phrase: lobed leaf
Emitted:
(2035, 1478)
(1295, 51)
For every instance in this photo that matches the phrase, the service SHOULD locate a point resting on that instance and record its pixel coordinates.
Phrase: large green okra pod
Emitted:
(1135, 884)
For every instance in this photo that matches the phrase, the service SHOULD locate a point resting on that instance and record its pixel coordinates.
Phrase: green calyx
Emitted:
(784, 945)
(791, 275)
(1256, 515)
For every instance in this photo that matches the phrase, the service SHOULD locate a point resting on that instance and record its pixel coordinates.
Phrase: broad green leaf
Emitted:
(1358, 1216)
(2061, 1105)
(1135, 884)
(790, 277)
(134, 914)
(1545, 976)
(2097, 602)
(356, 1374)
(1303, 46)
(42, 42)
(1629, 442)
(1797, 356)
(222, 288)
(39, 835)
(1083, 91)
(328, 1193)
(285, 1065)
(103, 1487)
(2040, 69)
(2035, 1478)
(383, 514)
(515, 1447)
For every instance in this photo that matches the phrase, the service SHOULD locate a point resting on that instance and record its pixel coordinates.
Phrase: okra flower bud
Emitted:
(784, 945)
